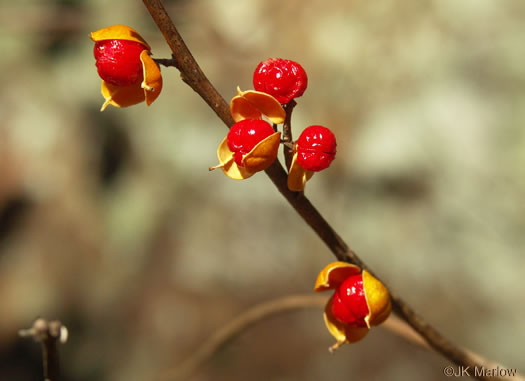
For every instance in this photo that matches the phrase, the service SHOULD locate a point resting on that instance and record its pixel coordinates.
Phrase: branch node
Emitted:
(42, 330)
(47, 333)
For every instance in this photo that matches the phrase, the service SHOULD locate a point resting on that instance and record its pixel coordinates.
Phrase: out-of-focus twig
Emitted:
(257, 314)
(238, 325)
(48, 333)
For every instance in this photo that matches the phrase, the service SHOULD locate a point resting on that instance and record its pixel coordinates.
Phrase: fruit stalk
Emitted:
(287, 133)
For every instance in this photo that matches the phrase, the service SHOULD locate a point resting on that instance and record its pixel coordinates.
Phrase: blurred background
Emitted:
(112, 223)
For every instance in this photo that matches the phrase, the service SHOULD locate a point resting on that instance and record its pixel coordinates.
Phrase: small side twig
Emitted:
(48, 333)
(167, 61)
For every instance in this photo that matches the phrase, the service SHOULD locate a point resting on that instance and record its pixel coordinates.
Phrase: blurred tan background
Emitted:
(112, 223)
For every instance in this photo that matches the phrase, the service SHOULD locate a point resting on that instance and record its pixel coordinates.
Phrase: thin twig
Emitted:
(238, 325)
(195, 78)
(257, 314)
(190, 71)
(167, 62)
(48, 334)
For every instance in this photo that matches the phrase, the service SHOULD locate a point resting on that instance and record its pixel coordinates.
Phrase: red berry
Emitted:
(316, 148)
(245, 135)
(349, 302)
(118, 61)
(282, 79)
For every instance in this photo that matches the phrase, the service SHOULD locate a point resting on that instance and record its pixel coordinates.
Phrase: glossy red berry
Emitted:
(316, 148)
(349, 302)
(118, 61)
(245, 135)
(282, 79)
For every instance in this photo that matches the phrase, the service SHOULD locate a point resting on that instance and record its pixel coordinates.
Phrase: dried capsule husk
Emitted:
(227, 163)
(298, 176)
(377, 299)
(148, 90)
(121, 96)
(333, 274)
(119, 32)
(258, 159)
(342, 333)
(253, 104)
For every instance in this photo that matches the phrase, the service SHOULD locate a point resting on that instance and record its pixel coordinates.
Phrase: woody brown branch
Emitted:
(196, 79)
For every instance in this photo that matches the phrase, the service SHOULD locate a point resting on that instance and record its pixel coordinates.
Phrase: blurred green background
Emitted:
(112, 223)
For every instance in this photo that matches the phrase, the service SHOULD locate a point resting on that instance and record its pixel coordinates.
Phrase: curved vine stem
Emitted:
(192, 74)
(238, 325)
(258, 313)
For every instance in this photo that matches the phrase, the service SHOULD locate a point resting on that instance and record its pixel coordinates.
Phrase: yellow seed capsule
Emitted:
(118, 32)
(377, 299)
(129, 74)
(359, 302)
(250, 146)
(253, 104)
